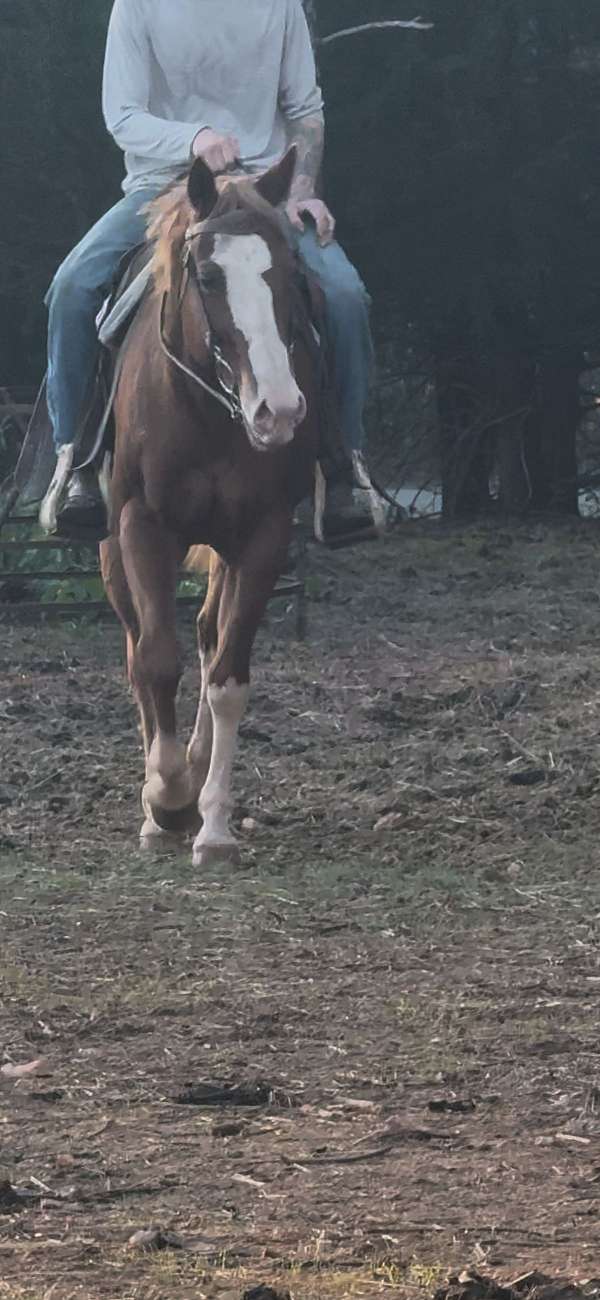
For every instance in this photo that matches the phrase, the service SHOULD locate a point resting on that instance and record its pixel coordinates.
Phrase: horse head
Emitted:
(238, 254)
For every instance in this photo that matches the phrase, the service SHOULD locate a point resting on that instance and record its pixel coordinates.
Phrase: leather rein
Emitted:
(227, 393)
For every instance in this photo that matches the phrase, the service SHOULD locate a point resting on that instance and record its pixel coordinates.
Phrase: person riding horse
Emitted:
(233, 84)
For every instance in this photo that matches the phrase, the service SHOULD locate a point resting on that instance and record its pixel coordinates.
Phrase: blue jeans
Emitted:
(82, 282)
(347, 310)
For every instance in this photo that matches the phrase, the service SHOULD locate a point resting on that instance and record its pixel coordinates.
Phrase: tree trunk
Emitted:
(551, 438)
(515, 389)
(465, 458)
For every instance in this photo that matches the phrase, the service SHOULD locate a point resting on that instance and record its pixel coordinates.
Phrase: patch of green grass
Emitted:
(8, 1291)
(405, 1010)
(426, 1276)
(17, 982)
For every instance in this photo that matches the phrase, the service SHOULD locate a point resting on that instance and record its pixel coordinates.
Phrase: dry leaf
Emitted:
(22, 1071)
(65, 1161)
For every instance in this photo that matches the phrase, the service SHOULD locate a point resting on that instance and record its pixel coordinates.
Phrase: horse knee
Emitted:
(227, 701)
(156, 663)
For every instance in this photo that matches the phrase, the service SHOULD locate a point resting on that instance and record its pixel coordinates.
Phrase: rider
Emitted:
(229, 81)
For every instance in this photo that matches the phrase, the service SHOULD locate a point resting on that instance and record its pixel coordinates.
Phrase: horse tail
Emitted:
(198, 559)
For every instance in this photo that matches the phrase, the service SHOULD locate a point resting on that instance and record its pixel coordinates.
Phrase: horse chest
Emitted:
(213, 506)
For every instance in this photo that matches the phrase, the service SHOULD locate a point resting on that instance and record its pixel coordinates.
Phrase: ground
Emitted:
(408, 957)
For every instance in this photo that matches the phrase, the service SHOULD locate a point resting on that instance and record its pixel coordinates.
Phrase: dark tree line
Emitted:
(464, 165)
(487, 136)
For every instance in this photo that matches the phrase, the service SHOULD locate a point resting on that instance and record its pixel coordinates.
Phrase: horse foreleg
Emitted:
(150, 560)
(119, 595)
(200, 746)
(246, 590)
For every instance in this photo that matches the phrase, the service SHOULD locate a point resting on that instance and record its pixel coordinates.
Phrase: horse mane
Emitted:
(169, 216)
(171, 213)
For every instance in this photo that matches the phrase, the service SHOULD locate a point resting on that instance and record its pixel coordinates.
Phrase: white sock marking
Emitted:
(169, 781)
(227, 705)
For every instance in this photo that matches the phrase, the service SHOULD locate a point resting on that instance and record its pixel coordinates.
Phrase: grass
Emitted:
(170, 1274)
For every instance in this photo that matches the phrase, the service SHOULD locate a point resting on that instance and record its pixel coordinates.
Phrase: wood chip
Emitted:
(154, 1239)
(390, 822)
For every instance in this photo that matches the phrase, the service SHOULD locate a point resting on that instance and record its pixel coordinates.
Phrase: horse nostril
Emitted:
(264, 416)
(267, 418)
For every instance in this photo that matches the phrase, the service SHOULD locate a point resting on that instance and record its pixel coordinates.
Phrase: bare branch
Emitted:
(418, 24)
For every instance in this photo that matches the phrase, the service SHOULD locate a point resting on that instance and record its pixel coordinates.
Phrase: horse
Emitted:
(216, 438)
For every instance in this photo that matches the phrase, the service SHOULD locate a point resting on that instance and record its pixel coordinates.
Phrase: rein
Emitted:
(227, 393)
(229, 398)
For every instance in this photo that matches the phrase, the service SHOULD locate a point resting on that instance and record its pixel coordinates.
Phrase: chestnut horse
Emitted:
(217, 424)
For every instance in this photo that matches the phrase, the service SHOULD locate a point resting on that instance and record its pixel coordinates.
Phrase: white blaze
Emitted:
(244, 259)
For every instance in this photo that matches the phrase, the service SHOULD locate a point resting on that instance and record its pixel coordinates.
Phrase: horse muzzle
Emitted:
(273, 424)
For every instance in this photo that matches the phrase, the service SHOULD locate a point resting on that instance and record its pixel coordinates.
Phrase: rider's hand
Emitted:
(218, 151)
(324, 221)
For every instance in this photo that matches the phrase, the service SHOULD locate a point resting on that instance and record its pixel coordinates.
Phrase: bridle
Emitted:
(227, 392)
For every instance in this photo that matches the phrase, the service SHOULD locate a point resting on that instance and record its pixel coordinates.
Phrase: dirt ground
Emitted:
(408, 959)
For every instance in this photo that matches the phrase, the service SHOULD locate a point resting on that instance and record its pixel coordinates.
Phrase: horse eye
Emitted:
(211, 277)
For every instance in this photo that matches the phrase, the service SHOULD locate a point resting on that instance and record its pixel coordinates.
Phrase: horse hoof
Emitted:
(154, 840)
(175, 821)
(208, 855)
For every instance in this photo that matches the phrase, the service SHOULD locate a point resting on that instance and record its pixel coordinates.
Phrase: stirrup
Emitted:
(338, 532)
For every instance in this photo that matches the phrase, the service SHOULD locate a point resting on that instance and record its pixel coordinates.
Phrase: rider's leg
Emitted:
(74, 300)
(347, 306)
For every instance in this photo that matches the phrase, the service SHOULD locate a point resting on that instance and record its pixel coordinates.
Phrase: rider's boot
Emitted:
(346, 511)
(83, 512)
(348, 508)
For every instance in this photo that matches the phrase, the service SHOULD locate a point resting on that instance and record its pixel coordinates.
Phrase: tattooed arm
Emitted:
(308, 135)
(301, 103)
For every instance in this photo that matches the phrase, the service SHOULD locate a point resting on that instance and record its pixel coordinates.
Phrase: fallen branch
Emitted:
(337, 1158)
(417, 24)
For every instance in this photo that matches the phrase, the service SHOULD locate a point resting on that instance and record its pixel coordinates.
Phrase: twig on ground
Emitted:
(338, 1159)
(525, 753)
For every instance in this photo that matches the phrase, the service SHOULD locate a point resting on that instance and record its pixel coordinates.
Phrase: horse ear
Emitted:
(202, 191)
(275, 185)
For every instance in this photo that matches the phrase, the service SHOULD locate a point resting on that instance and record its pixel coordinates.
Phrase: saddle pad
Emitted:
(111, 322)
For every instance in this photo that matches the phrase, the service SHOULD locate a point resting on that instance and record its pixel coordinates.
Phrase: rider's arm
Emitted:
(126, 93)
(301, 102)
(308, 135)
